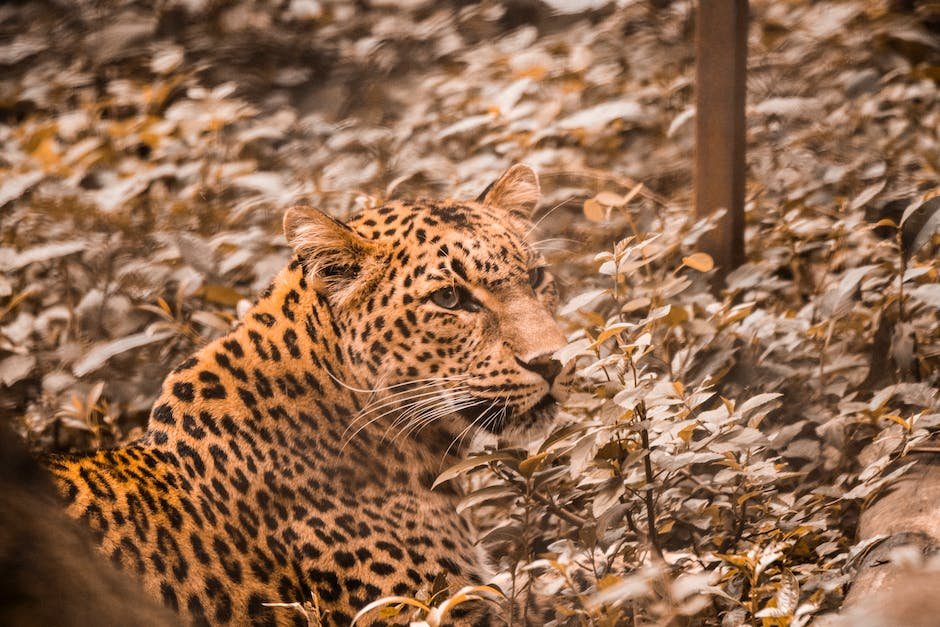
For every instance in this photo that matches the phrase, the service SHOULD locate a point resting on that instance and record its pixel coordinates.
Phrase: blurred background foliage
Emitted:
(713, 462)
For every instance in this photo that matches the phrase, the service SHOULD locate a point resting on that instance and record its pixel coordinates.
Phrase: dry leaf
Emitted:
(594, 211)
(699, 261)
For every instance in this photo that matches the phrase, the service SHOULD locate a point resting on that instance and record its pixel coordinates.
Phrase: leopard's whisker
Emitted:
(395, 385)
(417, 421)
(459, 437)
(502, 414)
(422, 422)
(457, 440)
(392, 399)
(446, 407)
(554, 243)
(400, 397)
(556, 239)
(409, 404)
(486, 423)
(493, 420)
(443, 399)
(566, 240)
(412, 405)
(548, 213)
(381, 378)
(414, 386)
(455, 443)
(418, 386)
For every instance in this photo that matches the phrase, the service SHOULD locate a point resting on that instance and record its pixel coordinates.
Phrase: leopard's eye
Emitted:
(446, 297)
(536, 276)
(454, 298)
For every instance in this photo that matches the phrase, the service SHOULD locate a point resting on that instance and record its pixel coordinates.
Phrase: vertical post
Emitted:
(720, 81)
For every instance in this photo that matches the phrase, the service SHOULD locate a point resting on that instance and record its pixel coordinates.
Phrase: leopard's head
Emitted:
(447, 304)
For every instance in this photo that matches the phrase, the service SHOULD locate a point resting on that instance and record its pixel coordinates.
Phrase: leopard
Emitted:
(293, 460)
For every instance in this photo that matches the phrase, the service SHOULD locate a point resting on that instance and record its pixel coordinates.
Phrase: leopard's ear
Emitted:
(517, 191)
(329, 250)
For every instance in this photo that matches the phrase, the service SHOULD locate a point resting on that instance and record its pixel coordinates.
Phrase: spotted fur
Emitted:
(294, 456)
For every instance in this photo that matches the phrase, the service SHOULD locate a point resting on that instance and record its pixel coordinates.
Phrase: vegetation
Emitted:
(714, 459)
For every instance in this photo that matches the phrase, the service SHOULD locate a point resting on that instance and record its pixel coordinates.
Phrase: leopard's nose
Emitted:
(544, 365)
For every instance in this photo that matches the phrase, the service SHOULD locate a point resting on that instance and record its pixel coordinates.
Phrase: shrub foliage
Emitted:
(713, 459)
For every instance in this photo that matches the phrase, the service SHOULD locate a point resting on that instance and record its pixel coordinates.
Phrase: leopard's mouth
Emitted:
(540, 413)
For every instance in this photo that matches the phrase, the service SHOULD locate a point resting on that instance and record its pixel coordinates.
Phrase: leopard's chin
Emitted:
(536, 417)
(517, 425)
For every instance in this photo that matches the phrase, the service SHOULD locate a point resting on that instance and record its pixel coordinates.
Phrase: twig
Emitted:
(567, 516)
(553, 507)
(901, 272)
(648, 469)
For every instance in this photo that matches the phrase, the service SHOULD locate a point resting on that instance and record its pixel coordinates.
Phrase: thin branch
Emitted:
(648, 469)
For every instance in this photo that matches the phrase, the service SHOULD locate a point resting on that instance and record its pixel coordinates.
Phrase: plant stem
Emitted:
(553, 507)
(648, 469)
(903, 269)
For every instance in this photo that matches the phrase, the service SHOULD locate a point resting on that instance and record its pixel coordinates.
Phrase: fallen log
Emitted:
(897, 581)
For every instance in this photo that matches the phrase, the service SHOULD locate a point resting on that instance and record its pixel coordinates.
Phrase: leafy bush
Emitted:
(713, 460)
(710, 464)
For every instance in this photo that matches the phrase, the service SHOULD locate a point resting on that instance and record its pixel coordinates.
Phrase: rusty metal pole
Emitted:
(720, 80)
